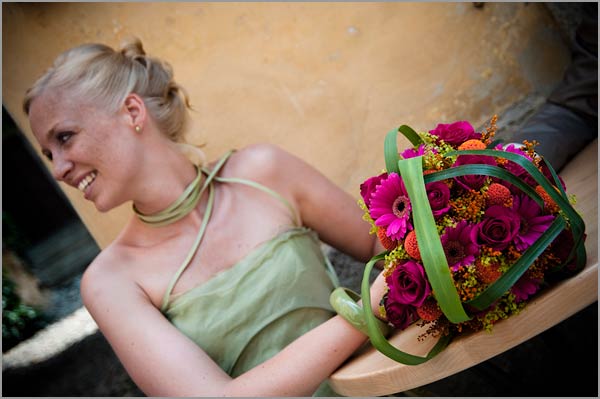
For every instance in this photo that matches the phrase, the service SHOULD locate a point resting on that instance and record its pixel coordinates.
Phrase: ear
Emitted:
(135, 110)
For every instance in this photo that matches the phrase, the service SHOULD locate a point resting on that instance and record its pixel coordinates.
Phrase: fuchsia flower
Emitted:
(411, 152)
(474, 182)
(399, 314)
(459, 245)
(525, 287)
(455, 133)
(369, 186)
(390, 207)
(532, 224)
(515, 169)
(438, 194)
(498, 228)
(548, 175)
(408, 284)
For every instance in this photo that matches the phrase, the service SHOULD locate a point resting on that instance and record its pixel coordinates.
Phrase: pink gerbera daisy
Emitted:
(411, 152)
(459, 246)
(525, 287)
(533, 223)
(391, 208)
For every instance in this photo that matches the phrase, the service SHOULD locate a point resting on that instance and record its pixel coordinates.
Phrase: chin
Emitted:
(104, 207)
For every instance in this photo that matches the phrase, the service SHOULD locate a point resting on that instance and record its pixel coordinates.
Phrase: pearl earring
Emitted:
(138, 128)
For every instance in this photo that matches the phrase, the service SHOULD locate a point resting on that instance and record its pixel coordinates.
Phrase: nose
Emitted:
(61, 168)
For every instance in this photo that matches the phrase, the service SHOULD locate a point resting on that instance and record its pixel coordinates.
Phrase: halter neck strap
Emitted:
(186, 201)
(205, 219)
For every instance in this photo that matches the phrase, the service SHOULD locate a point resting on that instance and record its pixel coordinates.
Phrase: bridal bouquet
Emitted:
(472, 229)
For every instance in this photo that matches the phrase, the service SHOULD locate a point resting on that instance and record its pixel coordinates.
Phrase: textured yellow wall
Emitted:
(326, 81)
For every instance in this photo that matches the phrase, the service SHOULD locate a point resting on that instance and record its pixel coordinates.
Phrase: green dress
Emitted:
(248, 313)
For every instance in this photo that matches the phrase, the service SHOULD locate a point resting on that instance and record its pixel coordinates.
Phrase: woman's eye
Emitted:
(63, 137)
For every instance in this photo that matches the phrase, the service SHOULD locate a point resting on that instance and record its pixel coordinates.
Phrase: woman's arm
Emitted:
(164, 362)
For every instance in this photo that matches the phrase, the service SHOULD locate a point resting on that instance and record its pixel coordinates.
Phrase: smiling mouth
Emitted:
(86, 181)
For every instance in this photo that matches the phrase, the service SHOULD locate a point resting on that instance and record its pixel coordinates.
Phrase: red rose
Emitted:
(498, 228)
(455, 133)
(399, 314)
(408, 284)
(368, 187)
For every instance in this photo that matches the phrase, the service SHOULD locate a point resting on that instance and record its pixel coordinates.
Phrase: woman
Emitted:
(217, 285)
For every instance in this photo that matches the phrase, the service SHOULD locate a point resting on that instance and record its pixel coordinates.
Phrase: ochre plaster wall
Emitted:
(325, 81)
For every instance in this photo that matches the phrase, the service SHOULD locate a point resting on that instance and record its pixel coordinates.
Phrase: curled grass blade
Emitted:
(508, 279)
(575, 221)
(375, 335)
(430, 246)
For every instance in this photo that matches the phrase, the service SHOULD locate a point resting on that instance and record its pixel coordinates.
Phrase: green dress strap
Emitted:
(267, 190)
(208, 212)
(212, 176)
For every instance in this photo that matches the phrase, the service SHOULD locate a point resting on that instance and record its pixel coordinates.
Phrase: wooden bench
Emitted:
(370, 373)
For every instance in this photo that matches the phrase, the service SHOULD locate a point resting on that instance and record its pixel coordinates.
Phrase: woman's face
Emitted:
(91, 149)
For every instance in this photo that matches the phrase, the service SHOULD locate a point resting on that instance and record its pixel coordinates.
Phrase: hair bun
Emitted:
(132, 48)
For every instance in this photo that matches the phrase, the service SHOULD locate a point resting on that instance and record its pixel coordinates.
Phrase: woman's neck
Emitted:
(164, 177)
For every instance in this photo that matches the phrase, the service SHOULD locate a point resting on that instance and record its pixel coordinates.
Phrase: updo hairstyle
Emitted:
(98, 73)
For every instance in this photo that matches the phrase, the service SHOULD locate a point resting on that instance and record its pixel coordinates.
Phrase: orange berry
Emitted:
(472, 144)
(430, 310)
(548, 201)
(411, 246)
(487, 273)
(497, 194)
(386, 241)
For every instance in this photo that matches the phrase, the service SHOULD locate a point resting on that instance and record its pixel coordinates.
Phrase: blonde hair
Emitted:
(97, 72)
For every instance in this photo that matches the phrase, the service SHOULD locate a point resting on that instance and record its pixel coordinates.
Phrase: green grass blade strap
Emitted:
(508, 279)
(494, 143)
(540, 179)
(390, 151)
(390, 146)
(411, 135)
(575, 221)
(557, 182)
(378, 341)
(489, 170)
(578, 251)
(430, 246)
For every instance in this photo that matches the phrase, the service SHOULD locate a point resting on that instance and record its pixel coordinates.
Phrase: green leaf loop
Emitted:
(499, 287)
(376, 337)
(411, 135)
(555, 192)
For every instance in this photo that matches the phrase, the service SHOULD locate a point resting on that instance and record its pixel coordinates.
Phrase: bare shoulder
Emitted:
(262, 161)
(106, 279)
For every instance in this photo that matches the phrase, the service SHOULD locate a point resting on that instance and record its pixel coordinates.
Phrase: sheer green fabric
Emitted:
(248, 313)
